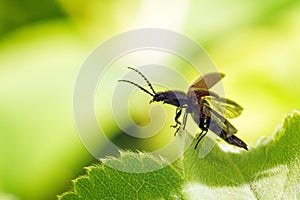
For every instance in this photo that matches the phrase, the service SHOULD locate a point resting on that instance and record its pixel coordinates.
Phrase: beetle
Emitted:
(208, 109)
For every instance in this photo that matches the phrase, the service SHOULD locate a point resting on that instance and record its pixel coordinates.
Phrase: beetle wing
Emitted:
(200, 92)
(218, 124)
(222, 122)
(207, 81)
(225, 107)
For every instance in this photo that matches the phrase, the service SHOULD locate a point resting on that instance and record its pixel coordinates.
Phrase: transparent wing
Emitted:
(218, 122)
(225, 107)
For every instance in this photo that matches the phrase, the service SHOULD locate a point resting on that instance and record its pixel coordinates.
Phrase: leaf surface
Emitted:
(270, 170)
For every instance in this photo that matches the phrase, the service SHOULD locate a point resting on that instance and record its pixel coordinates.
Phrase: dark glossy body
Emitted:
(175, 98)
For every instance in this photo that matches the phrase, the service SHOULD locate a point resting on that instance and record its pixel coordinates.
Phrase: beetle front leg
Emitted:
(178, 114)
(184, 119)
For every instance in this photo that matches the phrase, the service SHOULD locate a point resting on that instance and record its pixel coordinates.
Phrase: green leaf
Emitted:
(271, 170)
(104, 182)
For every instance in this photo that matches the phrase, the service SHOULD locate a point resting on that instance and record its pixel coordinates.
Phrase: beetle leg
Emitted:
(178, 114)
(184, 119)
(203, 125)
(207, 122)
(200, 136)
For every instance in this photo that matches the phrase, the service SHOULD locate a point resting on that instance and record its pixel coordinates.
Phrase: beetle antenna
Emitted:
(137, 86)
(149, 84)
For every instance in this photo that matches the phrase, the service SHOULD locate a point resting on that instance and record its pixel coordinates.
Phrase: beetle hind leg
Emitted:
(204, 123)
(200, 137)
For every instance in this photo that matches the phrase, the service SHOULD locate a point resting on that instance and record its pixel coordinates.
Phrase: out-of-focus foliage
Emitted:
(38, 141)
(43, 44)
(16, 13)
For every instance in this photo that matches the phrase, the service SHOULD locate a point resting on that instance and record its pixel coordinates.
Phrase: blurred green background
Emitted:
(43, 44)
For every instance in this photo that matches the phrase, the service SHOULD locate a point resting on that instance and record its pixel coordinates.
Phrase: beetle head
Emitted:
(160, 96)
